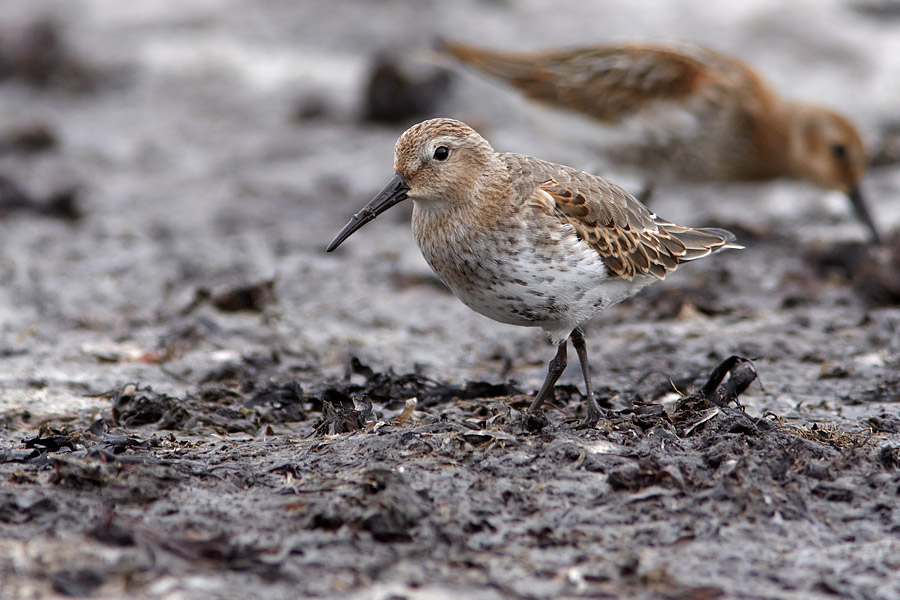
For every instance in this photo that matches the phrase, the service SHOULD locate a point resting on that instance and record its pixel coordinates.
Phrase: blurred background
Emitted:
(171, 173)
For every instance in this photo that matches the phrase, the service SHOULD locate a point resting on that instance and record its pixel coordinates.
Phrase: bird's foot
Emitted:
(594, 414)
(535, 420)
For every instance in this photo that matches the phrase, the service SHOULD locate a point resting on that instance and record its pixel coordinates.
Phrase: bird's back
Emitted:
(608, 82)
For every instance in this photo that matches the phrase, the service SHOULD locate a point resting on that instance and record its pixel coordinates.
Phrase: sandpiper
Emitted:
(528, 242)
(689, 111)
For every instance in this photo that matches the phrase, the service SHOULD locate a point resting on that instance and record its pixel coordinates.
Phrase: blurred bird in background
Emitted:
(687, 112)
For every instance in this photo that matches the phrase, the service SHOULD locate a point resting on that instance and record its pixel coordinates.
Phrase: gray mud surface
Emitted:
(197, 402)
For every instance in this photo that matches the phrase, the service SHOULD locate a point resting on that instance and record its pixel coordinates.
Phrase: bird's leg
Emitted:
(557, 366)
(593, 409)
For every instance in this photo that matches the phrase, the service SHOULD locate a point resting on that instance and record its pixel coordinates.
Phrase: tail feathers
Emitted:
(702, 242)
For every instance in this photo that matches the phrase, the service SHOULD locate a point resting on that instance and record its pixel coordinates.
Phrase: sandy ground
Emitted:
(169, 359)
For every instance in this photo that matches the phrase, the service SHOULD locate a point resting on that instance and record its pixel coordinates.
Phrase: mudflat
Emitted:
(197, 401)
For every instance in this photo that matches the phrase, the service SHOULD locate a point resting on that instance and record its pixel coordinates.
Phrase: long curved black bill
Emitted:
(862, 213)
(393, 193)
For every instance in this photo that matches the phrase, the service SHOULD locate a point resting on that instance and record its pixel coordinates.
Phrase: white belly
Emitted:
(556, 284)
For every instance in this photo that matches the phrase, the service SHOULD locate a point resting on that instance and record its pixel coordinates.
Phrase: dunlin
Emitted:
(528, 242)
(688, 110)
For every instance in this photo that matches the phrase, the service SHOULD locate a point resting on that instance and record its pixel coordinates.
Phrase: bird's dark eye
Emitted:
(441, 153)
(839, 151)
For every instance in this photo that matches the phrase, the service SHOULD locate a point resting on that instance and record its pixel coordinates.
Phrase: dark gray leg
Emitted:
(557, 366)
(593, 409)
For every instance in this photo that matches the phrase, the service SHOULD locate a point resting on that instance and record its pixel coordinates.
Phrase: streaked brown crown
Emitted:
(472, 161)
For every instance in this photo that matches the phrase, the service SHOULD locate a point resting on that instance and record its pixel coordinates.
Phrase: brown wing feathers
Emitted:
(628, 238)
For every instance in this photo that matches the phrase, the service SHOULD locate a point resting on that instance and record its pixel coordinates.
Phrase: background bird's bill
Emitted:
(862, 212)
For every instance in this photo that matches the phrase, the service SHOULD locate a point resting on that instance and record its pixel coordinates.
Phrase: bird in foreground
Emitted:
(528, 242)
(689, 111)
